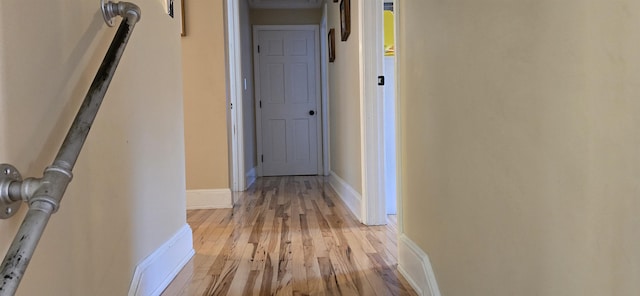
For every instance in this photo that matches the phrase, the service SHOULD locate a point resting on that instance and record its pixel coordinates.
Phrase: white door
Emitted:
(287, 94)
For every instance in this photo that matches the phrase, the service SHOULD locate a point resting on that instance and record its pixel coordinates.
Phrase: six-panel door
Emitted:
(288, 100)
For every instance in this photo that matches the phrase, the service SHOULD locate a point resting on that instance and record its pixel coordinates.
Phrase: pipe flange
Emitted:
(8, 174)
(107, 12)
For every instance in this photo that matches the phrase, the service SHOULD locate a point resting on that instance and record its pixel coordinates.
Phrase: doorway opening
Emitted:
(380, 157)
(380, 150)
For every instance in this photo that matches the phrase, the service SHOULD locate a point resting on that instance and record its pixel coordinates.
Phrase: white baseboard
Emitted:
(349, 195)
(156, 271)
(250, 177)
(209, 199)
(415, 266)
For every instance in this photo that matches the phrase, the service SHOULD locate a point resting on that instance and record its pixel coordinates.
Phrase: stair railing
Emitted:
(43, 195)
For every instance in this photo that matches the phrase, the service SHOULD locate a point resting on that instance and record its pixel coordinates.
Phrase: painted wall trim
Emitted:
(324, 76)
(209, 199)
(156, 271)
(350, 196)
(398, 95)
(250, 177)
(235, 129)
(415, 266)
(371, 50)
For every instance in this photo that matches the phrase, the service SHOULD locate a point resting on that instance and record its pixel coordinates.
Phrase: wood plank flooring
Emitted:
(289, 236)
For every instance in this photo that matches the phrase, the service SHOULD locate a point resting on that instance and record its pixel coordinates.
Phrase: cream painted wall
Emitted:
(128, 193)
(344, 100)
(285, 16)
(520, 145)
(203, 58)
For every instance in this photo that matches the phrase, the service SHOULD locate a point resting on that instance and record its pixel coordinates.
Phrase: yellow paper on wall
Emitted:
(389, 38)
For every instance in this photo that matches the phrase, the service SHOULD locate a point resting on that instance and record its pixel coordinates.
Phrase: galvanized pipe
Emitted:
(23, 190)
(23, 246)
(68, 153)
(50, 189)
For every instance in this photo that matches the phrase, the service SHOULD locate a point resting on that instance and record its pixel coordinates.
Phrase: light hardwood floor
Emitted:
(289, 236)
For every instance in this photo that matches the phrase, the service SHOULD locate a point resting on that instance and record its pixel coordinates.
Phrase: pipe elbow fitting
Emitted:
(126, 10)
(129, 11)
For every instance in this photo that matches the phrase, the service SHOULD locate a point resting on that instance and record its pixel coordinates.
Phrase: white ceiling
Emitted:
(292, 4)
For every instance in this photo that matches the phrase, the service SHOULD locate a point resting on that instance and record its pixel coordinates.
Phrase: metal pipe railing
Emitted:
(44, 195)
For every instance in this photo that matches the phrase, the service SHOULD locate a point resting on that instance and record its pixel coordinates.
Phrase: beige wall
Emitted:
(128, 192)
(203, 56)
(520, 145)
(285, 16)
(344, 100)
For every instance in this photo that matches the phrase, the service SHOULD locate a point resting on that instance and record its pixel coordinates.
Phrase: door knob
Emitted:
(311, 112)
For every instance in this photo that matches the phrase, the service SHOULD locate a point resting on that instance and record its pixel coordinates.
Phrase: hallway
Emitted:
(289, 236)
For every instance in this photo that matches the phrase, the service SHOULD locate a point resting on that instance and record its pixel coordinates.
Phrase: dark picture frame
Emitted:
(345, 19)
(183, 31)
(332, 45)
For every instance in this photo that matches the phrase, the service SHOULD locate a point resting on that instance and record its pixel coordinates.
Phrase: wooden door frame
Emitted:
(324, 69)
(398, 101)
(233, 65)
(373, 211)
(370, 14)
(256, 76)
